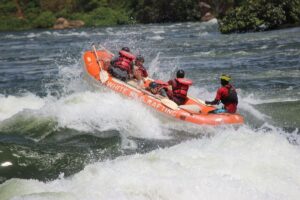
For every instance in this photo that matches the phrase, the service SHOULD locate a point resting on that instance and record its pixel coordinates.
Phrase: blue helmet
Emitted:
(153, 85)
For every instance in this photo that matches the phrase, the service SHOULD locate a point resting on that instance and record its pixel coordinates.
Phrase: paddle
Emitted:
(102, 47)
(201, 101)
(103, 74)
(192, 108)
(167, 102)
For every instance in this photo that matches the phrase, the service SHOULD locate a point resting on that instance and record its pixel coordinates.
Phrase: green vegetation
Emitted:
(157, 11)
(257, 15)
(28, 14)
(234, 15)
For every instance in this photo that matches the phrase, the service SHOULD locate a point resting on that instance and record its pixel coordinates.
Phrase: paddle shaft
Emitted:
(95, 51)
(106, 50)
(167, 102)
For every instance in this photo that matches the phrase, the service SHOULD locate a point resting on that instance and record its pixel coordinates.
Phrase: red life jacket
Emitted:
(161, 85)
(231, 95)
(181, 86)
(142, 70)
(160, 82)
(228, 96)
(125, 60)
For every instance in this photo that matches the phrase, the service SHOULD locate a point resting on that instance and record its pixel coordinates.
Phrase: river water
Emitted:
(60, 138)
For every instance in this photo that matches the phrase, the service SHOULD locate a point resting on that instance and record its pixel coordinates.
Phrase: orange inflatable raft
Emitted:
(194, 110)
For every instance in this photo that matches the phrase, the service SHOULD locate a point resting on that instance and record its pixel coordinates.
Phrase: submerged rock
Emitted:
(207, 17)
(62, 23)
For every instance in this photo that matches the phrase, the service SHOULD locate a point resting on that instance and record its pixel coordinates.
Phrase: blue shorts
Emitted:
(219, 110)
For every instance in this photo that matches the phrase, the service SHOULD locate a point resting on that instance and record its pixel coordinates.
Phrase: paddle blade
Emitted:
(191, 108)
(203, 102)
(103, 76)
(169, 104)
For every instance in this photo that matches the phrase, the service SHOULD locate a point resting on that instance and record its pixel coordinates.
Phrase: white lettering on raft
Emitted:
(155, 104)
(117, 87)
(159, 106)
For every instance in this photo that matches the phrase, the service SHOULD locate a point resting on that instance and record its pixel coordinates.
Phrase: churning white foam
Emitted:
(11, 105)
(156, 37)
(246, 103)
(242, 164)
(89, 112)
(100, 111)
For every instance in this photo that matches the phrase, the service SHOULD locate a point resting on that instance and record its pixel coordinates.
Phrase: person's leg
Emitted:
(111, 70)
(177, 100)
(118, 73)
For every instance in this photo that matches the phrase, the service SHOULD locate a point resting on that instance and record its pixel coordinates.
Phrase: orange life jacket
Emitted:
(125, 60)
(181, 86)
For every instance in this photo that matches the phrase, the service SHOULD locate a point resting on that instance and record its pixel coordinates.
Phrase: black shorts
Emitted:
(118, 73)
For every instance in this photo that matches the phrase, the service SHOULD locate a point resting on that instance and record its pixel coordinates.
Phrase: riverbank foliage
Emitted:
(234, 15)
(257, 15)
(28, 14)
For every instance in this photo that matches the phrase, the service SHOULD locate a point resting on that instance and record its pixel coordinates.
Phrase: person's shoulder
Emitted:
(222, 89)
(231, 86)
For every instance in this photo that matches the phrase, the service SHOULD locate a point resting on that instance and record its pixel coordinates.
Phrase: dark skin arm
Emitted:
(163, 92)
(112, 62)
(214, 102)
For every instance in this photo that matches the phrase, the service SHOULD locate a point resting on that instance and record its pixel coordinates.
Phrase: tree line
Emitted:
(233, 15)
(259, 15)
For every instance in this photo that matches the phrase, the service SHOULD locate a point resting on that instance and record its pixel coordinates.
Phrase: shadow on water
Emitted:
(284, 114)
(47, 159)
(36, 148)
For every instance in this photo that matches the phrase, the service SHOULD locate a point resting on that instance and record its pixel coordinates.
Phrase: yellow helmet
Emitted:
(225, 77)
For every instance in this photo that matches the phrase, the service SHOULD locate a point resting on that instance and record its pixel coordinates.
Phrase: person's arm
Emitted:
(145, 73)
(217, 98)
(171, 84)
(163, 92)
(112, 62)
(214, 102)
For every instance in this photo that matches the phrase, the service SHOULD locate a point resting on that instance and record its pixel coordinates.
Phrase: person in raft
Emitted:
(139, 71)
(180, 87)
(121, 67)
(227, 95)
(158, 87)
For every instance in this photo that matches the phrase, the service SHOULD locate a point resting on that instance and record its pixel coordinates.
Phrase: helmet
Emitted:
(225, 77)
(153, 85)
(126, 49)
(140, 58)
(180, 73)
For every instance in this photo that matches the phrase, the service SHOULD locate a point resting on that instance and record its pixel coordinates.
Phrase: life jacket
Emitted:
(143, 71)
(161, 85)
(181, 86)
(125, 60)
(231, 97)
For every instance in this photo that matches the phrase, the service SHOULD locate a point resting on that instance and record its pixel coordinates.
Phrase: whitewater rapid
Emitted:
(67, 140)
(237, 164)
